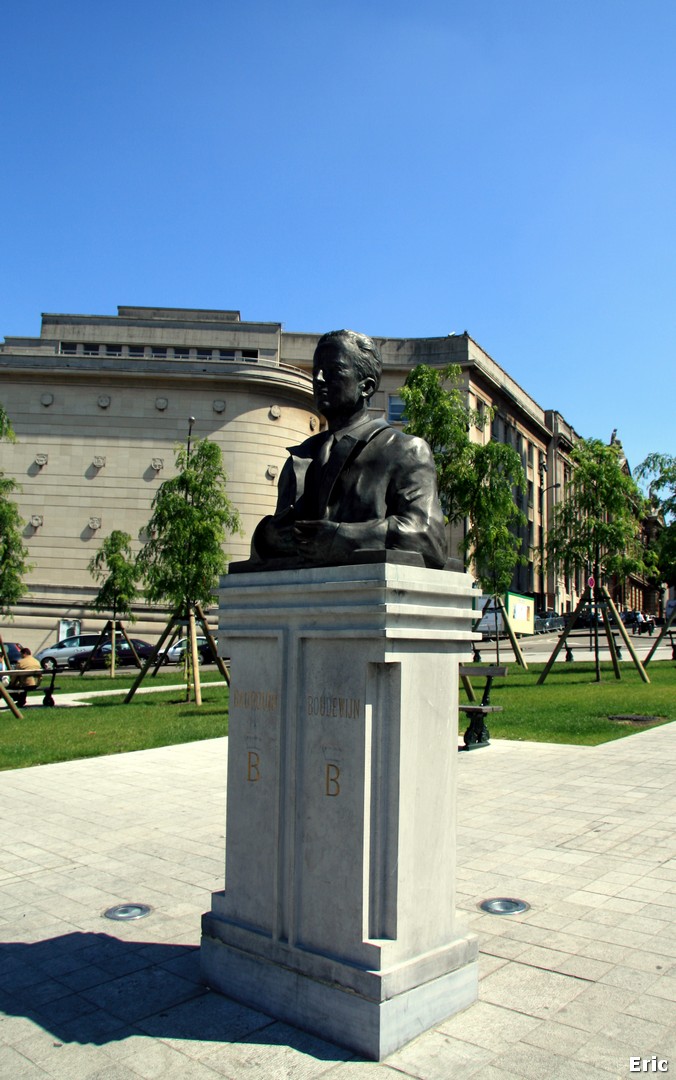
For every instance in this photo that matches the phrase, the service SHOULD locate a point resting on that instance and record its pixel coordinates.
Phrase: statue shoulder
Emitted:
(410, 446)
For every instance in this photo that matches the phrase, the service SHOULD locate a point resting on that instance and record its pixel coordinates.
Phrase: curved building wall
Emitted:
(95, 443)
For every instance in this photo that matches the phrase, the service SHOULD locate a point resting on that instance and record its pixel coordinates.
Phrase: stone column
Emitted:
(338, 913)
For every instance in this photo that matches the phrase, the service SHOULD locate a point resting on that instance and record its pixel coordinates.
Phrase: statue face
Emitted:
(338, 389)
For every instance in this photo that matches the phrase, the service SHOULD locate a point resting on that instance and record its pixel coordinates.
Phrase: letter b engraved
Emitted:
(332, 785)
(253, 761)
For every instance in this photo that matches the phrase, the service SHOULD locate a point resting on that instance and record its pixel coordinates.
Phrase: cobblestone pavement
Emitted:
(574, 987)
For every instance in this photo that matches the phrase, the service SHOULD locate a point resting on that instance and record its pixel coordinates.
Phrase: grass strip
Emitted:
(570, 708)
(106, 726)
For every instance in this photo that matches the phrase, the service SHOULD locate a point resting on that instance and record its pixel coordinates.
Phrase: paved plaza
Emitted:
(574, 987)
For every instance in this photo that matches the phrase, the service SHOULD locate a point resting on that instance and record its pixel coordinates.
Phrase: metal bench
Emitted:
(20, 693)
(477, 734)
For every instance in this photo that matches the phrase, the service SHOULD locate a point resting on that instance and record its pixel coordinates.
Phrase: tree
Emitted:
(597, 525)
(192, 514)
(476, 481)
(114, 566)
(596, 528)
(439, 414)
(658, 472)
(6, 429)
(13, 553)
(184, 557)
(491, 540)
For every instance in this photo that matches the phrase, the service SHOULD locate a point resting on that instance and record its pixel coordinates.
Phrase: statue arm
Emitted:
(413, 518)
(274, 536)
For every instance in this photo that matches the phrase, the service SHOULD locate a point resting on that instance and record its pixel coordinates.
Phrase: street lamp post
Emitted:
(543, 491)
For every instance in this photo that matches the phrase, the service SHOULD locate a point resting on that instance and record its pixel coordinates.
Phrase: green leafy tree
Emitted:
(192, 515)
(492, 540)
(437, 411)
(597, 524)
(658, 473)
(476, 482)
(13, 553)
(115, 567)
(6, 429)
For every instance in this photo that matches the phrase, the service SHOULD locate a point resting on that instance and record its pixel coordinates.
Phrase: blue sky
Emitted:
(406, 169)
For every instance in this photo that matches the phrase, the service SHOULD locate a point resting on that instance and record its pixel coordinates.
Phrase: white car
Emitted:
(57, 656)
(176, 653)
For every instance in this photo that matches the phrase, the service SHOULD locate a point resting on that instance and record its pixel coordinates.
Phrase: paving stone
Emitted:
(533, 991)
(548, 823)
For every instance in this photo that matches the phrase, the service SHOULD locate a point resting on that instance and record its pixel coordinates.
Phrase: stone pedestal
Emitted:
(338, 914)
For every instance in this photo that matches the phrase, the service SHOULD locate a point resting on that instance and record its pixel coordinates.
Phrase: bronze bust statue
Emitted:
(357, 489)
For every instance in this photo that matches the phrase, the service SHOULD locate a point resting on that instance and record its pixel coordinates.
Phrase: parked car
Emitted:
(586, 619)
(176, 653)
(58, 656)
(101, 656)
(13, 650)
(548, 620)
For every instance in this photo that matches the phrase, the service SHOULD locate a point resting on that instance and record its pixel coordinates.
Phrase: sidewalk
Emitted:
(572, 988)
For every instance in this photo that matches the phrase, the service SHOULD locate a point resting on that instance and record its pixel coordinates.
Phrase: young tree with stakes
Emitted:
(658, 472)
(596, 530)
(184, 557)
(114, 566)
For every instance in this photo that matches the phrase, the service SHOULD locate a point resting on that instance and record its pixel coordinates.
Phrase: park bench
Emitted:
(477, 734)
(579, 636)
(45, 688)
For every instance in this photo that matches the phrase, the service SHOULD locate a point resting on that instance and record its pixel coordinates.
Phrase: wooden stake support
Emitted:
(587, 600)
(171, 631)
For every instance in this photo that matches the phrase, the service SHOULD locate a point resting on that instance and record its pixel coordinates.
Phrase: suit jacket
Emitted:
(379, 486)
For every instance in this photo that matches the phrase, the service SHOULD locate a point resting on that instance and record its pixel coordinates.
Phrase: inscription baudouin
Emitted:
(263, 700)
(344, 708)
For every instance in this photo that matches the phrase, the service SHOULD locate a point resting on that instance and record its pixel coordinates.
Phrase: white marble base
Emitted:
(338, 913)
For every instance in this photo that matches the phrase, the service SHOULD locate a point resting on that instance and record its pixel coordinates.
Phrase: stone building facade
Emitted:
(99, 403)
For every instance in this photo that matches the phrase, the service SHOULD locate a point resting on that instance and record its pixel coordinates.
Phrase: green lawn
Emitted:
(106, 726)
(570, 708)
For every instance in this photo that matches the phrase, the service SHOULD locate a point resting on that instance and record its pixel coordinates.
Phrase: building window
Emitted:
(69, 348)
(530, 453)
(530, 492)
(137, 351)
(249, 354)
(226, 354)
(395, 409)
(204, 354)
(496, 424)
(90, 350)
(158, 354)
(181, 354)
(113, 350)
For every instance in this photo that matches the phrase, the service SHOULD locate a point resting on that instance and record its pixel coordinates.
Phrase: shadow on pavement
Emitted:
(92, 988)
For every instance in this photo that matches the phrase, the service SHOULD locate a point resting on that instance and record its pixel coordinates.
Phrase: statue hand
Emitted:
(314, 538)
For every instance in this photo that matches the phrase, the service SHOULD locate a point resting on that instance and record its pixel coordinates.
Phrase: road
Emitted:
(539, 648)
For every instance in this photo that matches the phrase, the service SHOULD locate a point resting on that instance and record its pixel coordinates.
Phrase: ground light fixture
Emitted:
(503, 905)
(127, 912)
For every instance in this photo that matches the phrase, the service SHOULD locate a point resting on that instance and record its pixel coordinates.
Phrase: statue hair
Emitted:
(368, 362)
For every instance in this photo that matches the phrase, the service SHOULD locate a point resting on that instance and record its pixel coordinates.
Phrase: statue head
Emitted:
(346, 373)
